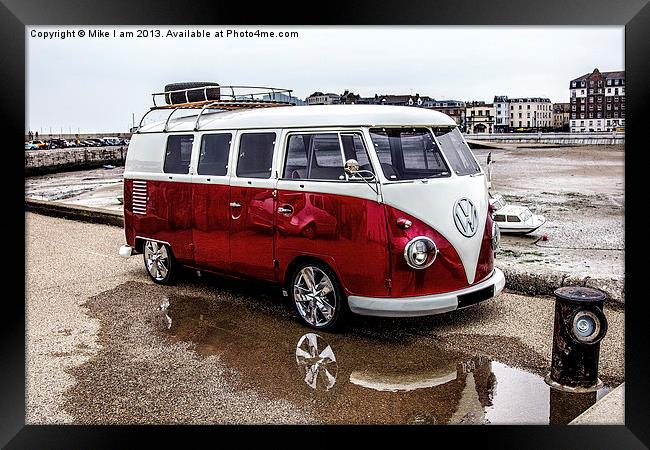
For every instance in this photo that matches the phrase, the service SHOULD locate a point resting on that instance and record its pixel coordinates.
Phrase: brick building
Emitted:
(453, 108)
(597, 101)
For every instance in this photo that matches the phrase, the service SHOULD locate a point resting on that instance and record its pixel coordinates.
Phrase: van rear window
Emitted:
(255, 155)
(178, 154)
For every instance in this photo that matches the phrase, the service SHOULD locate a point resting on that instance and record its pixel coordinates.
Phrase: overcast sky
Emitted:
(95, 84)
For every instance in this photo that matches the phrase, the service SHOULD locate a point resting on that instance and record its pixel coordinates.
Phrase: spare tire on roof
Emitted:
(197, 95)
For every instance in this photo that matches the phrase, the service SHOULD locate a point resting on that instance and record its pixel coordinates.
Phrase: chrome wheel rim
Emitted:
(156, 259)
(315, 297)
(316, 362)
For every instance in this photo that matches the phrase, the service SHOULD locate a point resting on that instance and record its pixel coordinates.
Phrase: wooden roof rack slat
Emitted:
(240, 97)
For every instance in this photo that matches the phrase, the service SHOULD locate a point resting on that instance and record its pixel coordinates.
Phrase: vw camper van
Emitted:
(370, 209)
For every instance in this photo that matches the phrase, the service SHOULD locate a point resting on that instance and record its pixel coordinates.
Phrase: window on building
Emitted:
(582, 123)
(213, 159)
(573, 84)
(582, 83)
(591, 122)
(573, 116)
(582, 91)
(600, 82)
(520, 123)
(616, 82)
(591, 82)
(255, 155)
(609, 90)
(591, 115)
(520, 115)
(591, 107)
(599, 115)
(609, 82)
(528, 115)
(519, 106)
(591, 91)
(178, 154)
(609, 114)
(615, 91)
(615, 115)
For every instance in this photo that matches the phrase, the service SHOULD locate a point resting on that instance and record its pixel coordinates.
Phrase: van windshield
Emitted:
(408, 153)
(457, 152)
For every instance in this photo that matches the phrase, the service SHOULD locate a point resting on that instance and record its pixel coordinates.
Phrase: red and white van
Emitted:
(380, 210)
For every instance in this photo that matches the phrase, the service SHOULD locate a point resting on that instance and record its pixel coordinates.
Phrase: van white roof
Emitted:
(307, 116)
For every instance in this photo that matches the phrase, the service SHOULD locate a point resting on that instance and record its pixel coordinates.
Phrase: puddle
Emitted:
(354, 378)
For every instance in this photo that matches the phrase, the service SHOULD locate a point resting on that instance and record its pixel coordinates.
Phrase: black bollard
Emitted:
(580, 325)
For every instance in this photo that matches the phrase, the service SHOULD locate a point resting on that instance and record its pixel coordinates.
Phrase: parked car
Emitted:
(39, 143)
(58, 143)
(377, 210)
(112, 141)
(30, 146)
(96, 142)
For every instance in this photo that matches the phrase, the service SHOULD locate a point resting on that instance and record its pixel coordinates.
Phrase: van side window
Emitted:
(178, 154)
(213, 159)
(353, 148)
(314, 157)
(255, 155)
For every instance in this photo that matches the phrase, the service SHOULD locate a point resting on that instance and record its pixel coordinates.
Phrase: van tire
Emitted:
(192, 96)
(166, 272)
(334, 297)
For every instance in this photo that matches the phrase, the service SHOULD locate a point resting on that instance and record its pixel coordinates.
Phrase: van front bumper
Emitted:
(426, 305)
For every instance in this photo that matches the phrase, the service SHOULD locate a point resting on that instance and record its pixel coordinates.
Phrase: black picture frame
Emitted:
(15, 15)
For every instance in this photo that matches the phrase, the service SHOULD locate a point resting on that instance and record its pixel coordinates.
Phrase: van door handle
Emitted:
(287, 209)
(235, 204)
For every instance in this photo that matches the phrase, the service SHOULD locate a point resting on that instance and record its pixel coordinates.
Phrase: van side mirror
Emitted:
(351, 166)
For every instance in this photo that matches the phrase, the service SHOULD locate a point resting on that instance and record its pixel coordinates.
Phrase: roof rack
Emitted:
(229, 98)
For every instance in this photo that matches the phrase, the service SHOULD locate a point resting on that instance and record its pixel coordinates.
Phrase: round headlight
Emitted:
(496, 236)
(420, 252)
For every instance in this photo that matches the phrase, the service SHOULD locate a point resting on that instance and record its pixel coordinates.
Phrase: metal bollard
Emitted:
(580, 325)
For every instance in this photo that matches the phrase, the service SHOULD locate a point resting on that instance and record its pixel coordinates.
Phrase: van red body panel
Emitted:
(211, 226)
(251, 232)
(349, 231)
(445, 274)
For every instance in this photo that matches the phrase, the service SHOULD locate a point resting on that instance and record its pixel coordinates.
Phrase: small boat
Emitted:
(514, 219)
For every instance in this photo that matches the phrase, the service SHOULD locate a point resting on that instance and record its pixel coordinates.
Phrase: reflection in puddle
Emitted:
(315, 358)
(357, 378)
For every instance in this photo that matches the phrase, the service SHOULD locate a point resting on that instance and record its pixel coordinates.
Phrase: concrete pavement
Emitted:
(92, 329)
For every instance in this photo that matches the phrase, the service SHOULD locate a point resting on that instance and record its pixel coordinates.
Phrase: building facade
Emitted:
(561, 116)
(531, 114)
(453, 108)
(318, 98)
(597, 102)
(479, 117)
(501, 114)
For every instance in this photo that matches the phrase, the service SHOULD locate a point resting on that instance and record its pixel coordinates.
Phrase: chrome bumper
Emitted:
(424, 305)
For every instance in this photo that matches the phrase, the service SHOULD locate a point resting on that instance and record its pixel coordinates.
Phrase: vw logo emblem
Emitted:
(466, 217)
